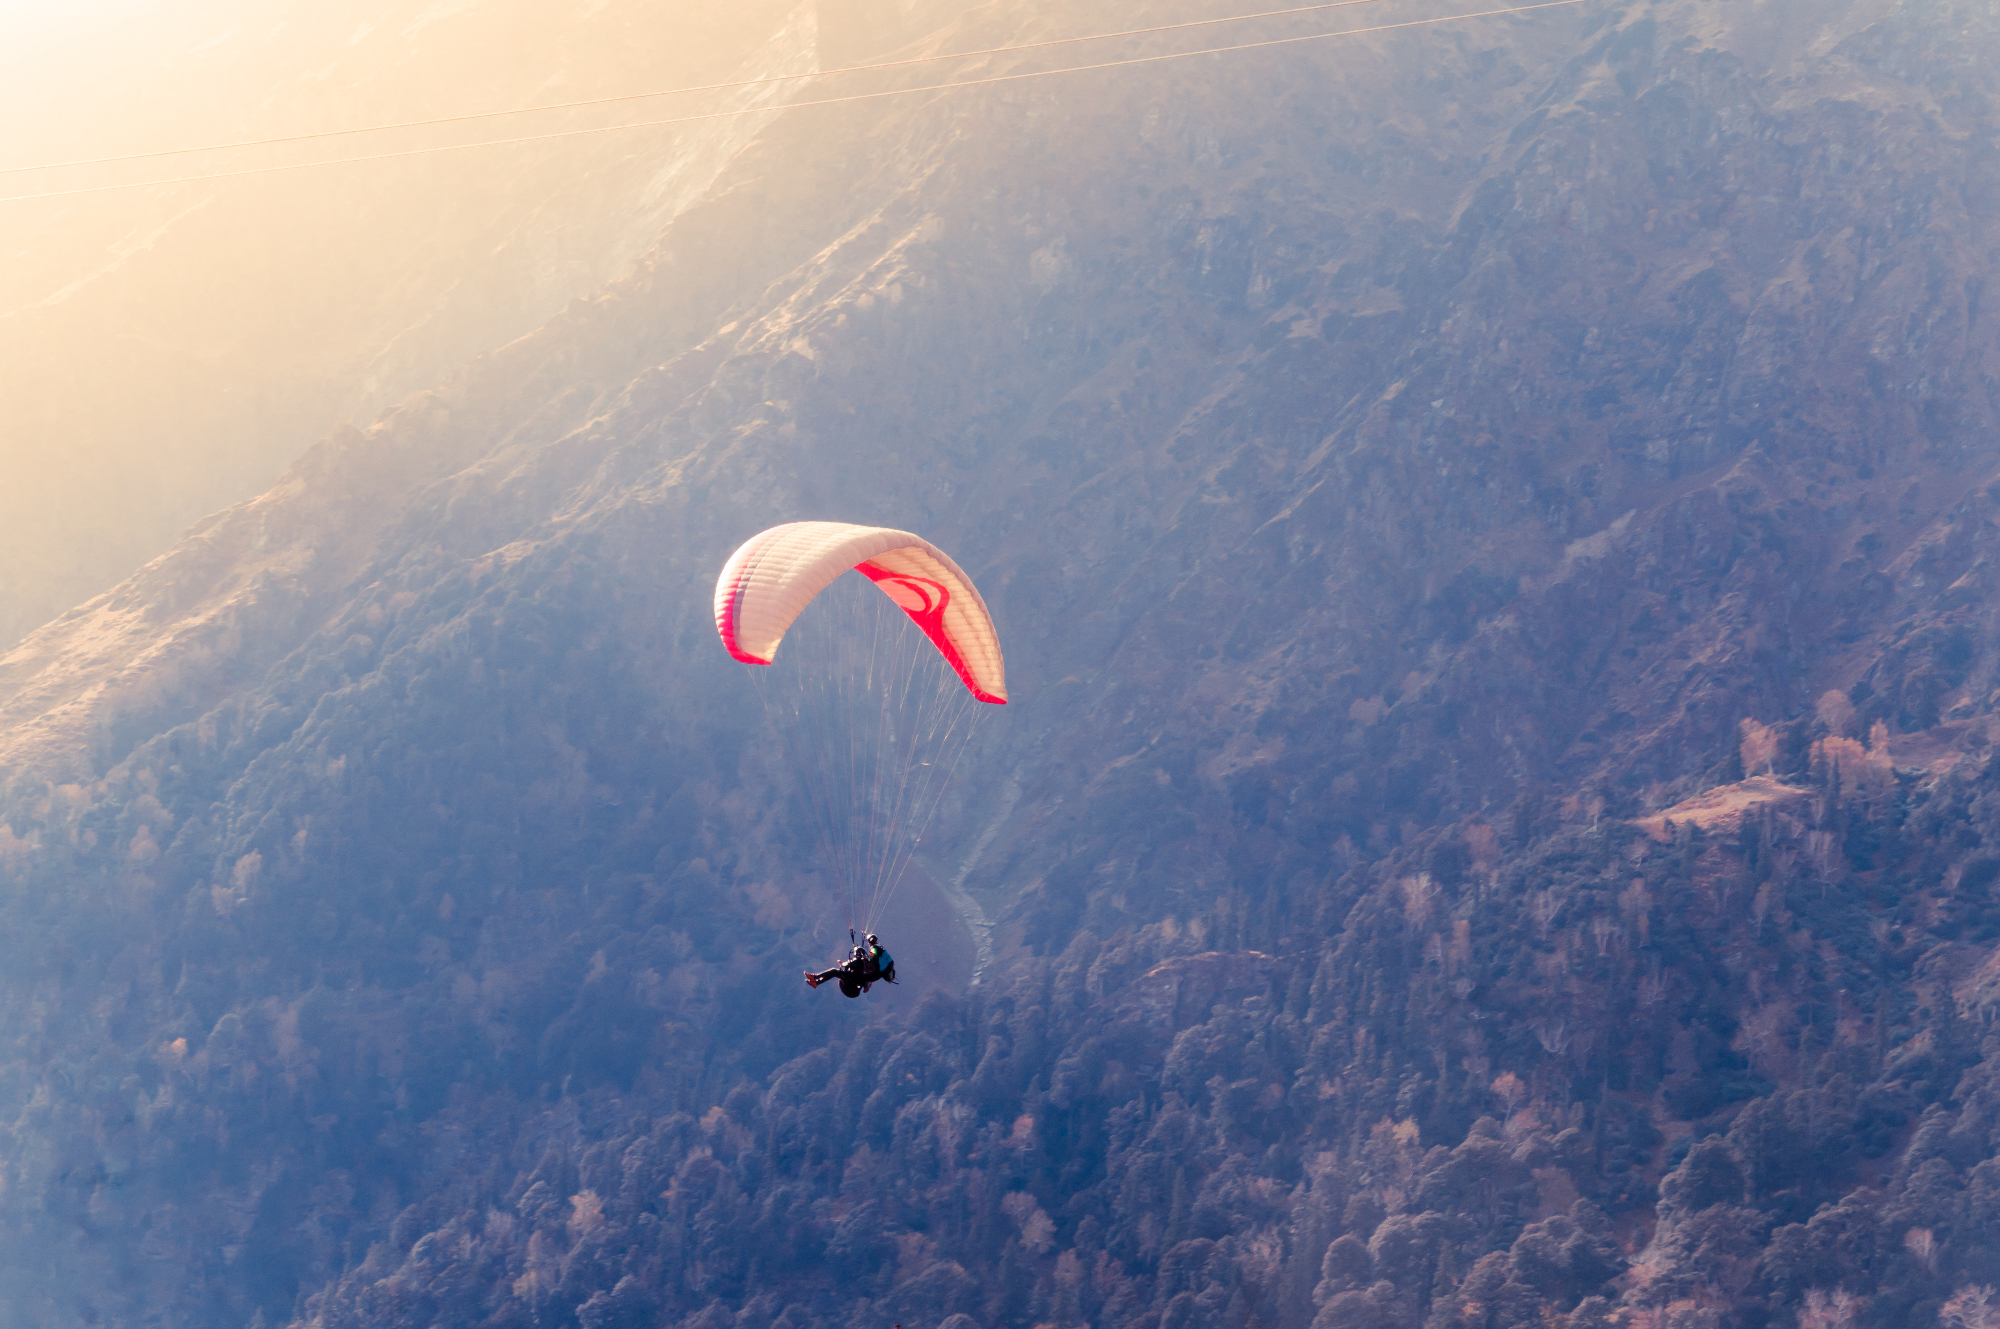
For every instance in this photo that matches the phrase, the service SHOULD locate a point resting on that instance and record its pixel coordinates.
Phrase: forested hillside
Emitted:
(1493, 528)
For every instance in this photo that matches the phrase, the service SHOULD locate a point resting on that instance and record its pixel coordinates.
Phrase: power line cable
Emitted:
(791, 106)
(678, 92)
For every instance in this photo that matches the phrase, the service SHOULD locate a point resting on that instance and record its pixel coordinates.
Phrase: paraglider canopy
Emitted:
(776, 574)
(872, 717)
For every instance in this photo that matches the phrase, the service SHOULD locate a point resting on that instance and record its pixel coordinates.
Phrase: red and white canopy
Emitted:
(775, 575)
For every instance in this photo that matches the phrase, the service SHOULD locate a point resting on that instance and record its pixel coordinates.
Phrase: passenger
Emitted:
(855, 974)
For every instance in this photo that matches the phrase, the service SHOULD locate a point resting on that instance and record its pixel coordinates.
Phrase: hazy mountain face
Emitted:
(1491, 528)
(167, 351)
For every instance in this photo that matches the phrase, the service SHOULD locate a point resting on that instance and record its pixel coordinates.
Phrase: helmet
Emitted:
(859, 953)
(873, 939)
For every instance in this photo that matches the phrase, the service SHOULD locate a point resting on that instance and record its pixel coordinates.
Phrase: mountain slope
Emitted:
(168, 349)
(1490, 531)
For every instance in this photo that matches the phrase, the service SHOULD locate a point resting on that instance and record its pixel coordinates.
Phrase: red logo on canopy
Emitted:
(924, 601)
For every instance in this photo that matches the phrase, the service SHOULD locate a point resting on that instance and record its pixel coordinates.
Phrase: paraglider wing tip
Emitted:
(725, 626)
(736, 651)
